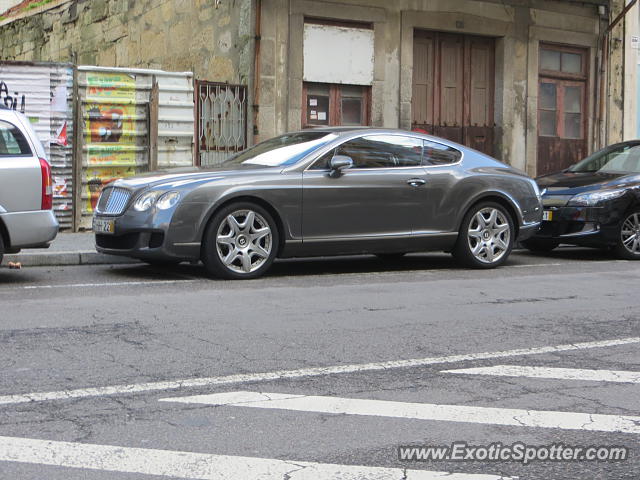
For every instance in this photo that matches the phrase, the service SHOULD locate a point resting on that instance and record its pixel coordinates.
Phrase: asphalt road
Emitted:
(91, 354)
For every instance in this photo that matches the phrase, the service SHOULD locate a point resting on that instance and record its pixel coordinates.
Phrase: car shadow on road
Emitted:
(365, 264)
(573, 254)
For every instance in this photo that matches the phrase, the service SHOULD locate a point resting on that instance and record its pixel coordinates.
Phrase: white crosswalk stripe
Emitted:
(618, 376)
(302, 372)
(201, 466)
(421, 411)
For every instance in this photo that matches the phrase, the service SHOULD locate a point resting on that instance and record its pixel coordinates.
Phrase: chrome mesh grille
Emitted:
(113, 200)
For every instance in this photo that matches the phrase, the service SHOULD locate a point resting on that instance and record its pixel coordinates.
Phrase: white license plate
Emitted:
(547, 216)
(100, 225)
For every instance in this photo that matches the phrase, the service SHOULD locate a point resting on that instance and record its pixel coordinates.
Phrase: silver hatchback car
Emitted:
(26, 196)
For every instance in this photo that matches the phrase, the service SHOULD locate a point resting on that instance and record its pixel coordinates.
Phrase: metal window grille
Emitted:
(222, 121)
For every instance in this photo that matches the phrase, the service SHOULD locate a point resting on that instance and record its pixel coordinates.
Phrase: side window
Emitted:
(383, 151)
(12, 141)
(438, 154)
(323, 162)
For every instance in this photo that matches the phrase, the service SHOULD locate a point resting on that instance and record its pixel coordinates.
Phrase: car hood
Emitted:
(176, 177)
(568, 183)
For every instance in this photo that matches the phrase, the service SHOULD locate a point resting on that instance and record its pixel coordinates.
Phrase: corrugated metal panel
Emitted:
(175, 119)
(115, 137)
(43, 92)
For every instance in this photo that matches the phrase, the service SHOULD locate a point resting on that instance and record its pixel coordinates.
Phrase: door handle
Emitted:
(416, 182)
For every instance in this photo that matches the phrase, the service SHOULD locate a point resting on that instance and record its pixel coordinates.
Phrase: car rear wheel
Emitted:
(486, 236)
(241, 242)
(628, 245)
(540, 246)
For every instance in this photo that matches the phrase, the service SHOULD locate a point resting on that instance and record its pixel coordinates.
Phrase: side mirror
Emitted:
(339, 163)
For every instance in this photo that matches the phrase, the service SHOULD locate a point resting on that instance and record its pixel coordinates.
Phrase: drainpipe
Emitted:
(256, 69)
(604, 58)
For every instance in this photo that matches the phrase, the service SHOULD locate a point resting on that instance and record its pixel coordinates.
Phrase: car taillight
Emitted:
(47, 185)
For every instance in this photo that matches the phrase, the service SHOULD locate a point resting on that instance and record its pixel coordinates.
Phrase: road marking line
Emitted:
(619, 376)
(180, 464)
(106, 284)
(302, 372)
(420, 411)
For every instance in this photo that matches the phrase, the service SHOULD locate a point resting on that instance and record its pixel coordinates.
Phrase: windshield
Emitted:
(618, 159)
(283, 150)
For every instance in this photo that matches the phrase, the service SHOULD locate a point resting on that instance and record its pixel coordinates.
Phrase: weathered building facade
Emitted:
(521, 80)
(537, 83)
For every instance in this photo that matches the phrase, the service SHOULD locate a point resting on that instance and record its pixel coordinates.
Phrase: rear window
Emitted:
(12, 141)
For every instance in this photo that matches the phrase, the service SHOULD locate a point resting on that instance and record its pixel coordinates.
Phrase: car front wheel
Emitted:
(628, 245)
(486, 236)
(241, 242)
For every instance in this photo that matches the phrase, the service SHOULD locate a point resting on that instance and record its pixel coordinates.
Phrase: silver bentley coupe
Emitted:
(323, 192)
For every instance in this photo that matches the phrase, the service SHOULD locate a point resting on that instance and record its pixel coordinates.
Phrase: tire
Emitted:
(486, 236)
(628, 242)
(540, 246)
(241, 242)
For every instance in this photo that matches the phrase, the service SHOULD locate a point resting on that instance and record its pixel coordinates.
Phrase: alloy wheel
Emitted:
(244, 241)
(489, 235)
(630, 233)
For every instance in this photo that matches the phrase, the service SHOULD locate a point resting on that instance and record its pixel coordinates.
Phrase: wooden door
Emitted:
(562, 101)
(453, 88)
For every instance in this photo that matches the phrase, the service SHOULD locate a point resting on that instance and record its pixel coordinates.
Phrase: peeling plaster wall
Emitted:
(174, 35)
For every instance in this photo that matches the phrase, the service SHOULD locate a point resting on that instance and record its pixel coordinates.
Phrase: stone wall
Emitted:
(212, 39)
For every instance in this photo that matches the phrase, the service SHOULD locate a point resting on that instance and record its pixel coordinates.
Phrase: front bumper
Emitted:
(33, 229)
(154, 235)
(584, 226)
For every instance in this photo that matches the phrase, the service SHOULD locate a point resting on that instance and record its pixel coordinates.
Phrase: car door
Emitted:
(378, 196)
(439, 210)
(20, 175)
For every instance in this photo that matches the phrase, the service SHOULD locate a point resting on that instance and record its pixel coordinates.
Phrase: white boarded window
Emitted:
(336, 54)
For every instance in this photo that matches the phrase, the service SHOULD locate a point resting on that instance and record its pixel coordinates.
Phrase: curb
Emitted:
(46, 259)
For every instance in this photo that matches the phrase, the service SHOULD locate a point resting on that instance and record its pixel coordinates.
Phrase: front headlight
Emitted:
(594, 198)
(168, 200)
(146, 201)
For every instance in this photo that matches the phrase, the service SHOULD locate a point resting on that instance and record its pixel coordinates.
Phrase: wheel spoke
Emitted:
(501, 244)
(260, 233)
(482, 222)
(477, 249)
(492, 219)
(228, 239)
(230, 257)
(475, 233)
(233, 224)
(629, 239)
(246, 262)
(247, 225)
(501, 228)
(258, 250)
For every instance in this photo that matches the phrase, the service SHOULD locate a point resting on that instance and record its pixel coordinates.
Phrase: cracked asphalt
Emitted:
(64, 328)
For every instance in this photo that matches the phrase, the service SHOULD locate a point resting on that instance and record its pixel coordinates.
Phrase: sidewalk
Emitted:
(66, 249)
